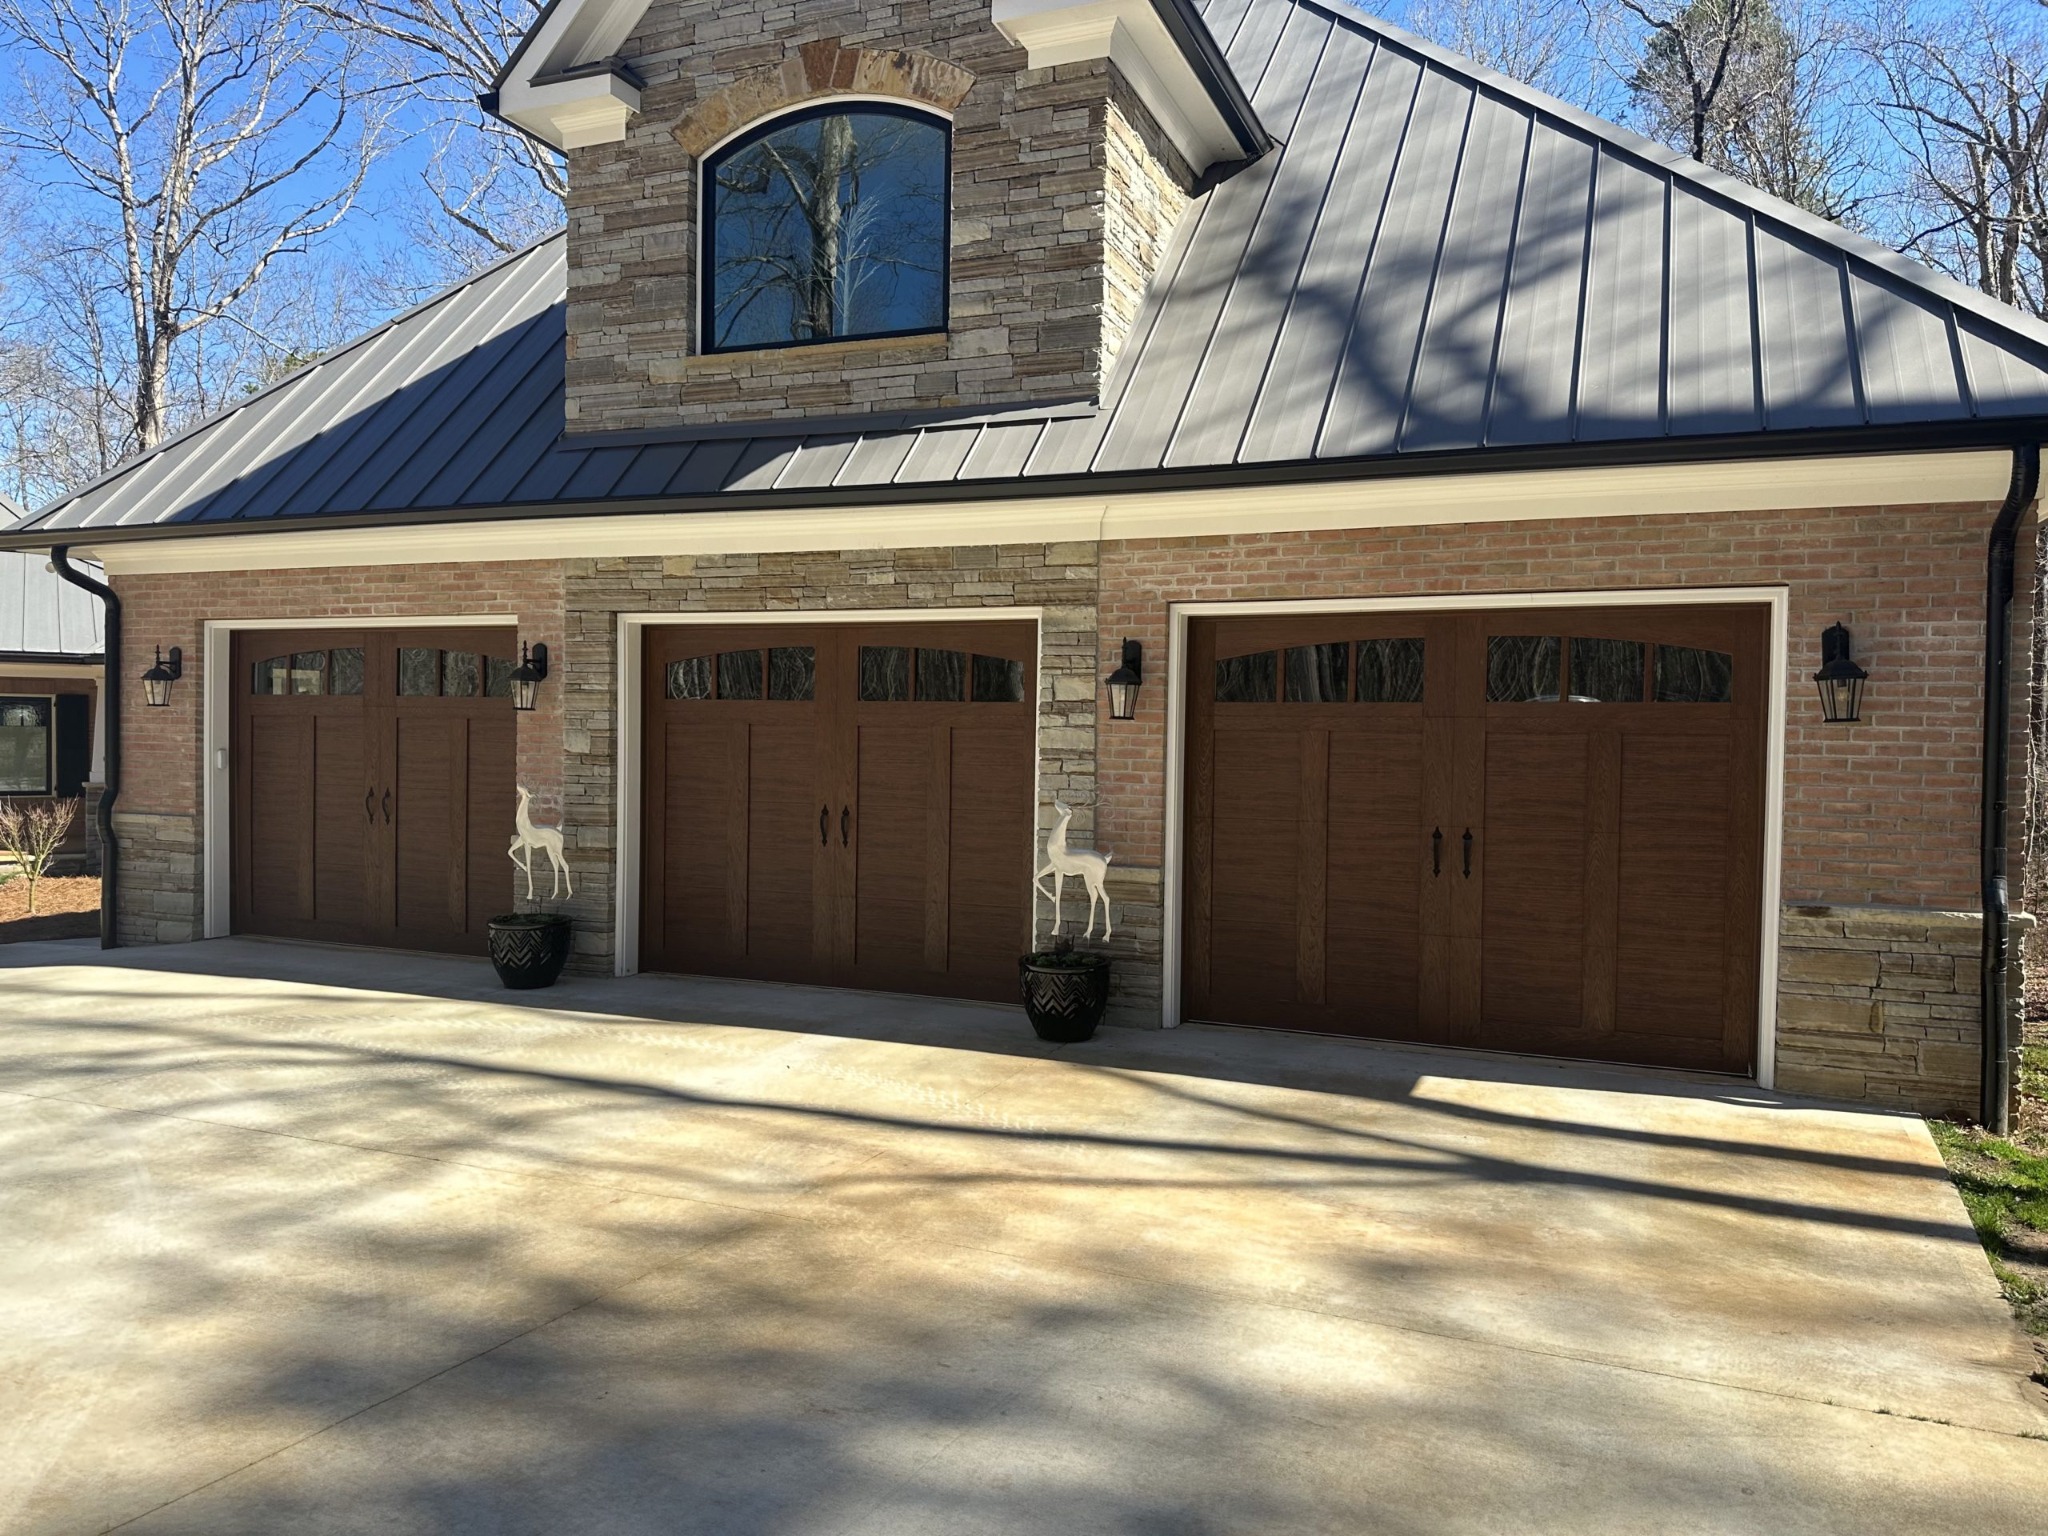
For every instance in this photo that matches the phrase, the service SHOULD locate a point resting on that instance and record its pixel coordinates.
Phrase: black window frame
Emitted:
(707, 244)
(49, 789)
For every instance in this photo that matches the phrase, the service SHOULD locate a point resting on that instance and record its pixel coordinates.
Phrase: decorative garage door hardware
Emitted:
(416, 727)
(1602, 773)
(849, 804)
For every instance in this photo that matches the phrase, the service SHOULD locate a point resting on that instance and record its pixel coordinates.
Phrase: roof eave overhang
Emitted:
(1955, 437)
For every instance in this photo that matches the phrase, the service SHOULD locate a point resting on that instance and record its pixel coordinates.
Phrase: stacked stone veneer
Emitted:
(1881, 1005)
(1064, 191)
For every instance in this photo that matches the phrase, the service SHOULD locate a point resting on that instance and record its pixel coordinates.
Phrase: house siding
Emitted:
(1877, 983)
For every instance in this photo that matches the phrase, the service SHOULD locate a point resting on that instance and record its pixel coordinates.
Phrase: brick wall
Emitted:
(1035, 307)
(157, 813)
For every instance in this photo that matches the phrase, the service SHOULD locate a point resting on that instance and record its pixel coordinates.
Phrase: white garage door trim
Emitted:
(1777, 599)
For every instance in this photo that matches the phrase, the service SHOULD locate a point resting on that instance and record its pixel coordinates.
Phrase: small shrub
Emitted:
(32, 831)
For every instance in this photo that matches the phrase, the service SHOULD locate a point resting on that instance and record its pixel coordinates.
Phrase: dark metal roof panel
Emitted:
(1710, 358)
(1908, 350)
(1537, 367)
(1621, 345)
(1432, 259)
(818, 461)
(1808, 354)
(1447, 395)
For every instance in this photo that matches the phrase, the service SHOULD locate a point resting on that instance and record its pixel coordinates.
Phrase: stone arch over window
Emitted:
(818, 70)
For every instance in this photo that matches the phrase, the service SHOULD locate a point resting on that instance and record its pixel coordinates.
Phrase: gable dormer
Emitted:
(825, 210)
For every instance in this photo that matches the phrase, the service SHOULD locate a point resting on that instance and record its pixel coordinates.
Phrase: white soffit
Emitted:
(1132, 35)
(1406, 501)
(554, 87)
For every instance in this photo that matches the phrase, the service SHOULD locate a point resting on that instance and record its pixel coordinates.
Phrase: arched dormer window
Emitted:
(827, 224)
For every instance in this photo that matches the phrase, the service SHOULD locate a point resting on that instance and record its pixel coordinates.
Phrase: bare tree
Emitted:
(1755, 89)
(1536, 41)
(183, 148)
(488, 189)
(1968, 104)
(32, 832)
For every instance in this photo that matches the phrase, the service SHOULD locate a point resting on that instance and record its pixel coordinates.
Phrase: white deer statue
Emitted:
(1062, 861)
(547, 839)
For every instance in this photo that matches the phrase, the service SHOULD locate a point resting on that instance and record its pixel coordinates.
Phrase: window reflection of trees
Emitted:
(828, 224)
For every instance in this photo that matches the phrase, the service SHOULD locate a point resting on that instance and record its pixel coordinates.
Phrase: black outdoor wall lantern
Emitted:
(1125, 681)
(1839, 679)
(527, 676)
(156, 682)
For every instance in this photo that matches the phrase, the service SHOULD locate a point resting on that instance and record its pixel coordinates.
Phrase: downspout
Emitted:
(110, 682)
(1995, 1108)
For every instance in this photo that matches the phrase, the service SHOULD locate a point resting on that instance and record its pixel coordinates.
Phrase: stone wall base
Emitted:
(1880, 1005)
(161, 890)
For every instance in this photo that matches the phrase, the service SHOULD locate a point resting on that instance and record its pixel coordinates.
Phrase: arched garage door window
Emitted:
(827, 224)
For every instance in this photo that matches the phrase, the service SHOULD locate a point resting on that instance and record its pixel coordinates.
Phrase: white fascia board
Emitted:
(1130, 34)
(582, 110)
(572, 114)
(1650, 490)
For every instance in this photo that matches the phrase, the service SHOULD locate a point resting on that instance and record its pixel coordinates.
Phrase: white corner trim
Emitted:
(573, 114)
(1659, 490)
(1131, 35)
(626, 710)
(216, 736)
(1777, 599)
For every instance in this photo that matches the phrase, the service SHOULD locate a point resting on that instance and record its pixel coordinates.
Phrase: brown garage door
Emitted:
(1535, 830)
(373, 785)
(845, 804)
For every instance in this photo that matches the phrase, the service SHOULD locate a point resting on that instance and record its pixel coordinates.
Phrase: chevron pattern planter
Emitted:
(1064, 1000)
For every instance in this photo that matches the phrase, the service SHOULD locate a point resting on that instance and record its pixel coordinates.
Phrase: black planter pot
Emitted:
(1065, 997)
(529, 949)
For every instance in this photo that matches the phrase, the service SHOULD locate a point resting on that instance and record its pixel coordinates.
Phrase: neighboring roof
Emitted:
(42, 616)
(1438, 267)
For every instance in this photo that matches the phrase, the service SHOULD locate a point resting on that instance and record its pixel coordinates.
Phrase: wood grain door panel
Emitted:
(361, 815)
(1567, 864)
(872, 841)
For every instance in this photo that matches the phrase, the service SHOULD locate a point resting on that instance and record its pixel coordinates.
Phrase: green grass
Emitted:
(2005, 1191)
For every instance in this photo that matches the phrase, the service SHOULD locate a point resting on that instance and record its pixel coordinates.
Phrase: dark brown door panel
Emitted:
(1535, 830)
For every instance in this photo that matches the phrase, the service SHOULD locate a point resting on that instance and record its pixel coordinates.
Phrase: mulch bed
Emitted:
(67, 908)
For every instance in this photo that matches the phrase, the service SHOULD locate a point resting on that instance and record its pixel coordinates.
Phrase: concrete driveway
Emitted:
(297, 1240)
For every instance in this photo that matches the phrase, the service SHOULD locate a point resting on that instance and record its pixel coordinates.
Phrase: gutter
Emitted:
(110, 682)
(1995, 1108)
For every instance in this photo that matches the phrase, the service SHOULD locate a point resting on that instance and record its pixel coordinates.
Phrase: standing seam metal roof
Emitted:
(1435, 259)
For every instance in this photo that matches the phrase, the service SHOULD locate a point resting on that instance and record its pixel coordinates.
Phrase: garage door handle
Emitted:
(370, 805)
(387, 807)
(1436, 850)
(1468, 853)
(824, 815)
(845, 825)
